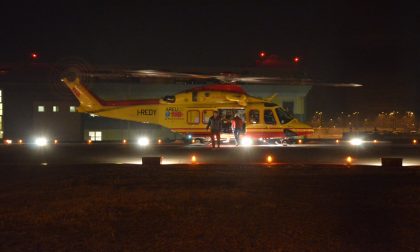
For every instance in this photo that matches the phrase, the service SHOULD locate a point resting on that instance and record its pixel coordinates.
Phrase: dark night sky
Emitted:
(372, 43)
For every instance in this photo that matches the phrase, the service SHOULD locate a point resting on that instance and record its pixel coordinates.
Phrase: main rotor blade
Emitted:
(222, 77)
(293, 82)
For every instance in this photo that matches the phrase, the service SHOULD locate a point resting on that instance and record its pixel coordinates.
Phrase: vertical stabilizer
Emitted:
(88, 101)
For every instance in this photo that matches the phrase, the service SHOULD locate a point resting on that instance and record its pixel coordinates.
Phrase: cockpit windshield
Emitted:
(283, 116)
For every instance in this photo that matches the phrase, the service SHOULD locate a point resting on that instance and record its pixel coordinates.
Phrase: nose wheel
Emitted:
(282, 142)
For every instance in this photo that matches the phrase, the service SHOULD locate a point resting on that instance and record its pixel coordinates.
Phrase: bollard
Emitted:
(152, 161)
(392, 162)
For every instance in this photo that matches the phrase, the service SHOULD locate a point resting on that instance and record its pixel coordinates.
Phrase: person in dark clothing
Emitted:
(215, 125)
(237, 125)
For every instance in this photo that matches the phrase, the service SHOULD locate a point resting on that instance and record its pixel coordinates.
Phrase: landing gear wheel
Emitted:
(199, 140)
(284, 142)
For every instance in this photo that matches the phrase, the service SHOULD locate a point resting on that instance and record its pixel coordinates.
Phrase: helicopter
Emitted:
(188, 111)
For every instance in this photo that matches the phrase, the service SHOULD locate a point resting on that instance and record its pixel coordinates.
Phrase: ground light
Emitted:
(41, 141)
(143, 141)
(356, 141)
(20, 141)
(124, 141)
(159, 141)
(337, 141)
(349, 160)
(55, 141)
(246, 141)
(193, 159)
(300, 141)
(375, 141)
(8, 141)
(89, 141)
(269, 159)
(414, 141)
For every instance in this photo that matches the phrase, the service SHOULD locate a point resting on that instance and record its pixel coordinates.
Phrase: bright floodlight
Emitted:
(41, 141)
(356, 141)
(143, 141)
(246, 141)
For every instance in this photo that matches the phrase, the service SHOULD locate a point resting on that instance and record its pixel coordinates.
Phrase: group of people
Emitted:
(215, 124)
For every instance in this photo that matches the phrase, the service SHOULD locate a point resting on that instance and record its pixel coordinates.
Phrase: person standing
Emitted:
(215, 125)
(237, 125)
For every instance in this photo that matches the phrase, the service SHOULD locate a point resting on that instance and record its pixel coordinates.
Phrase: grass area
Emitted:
(208, 208)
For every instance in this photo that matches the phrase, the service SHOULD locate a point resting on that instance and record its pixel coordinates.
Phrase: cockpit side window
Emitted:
(283, 116)
(269, 117)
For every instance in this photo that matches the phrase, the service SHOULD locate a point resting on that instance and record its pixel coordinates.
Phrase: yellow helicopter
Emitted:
(188, 112)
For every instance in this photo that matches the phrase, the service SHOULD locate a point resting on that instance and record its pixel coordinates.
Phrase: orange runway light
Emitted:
(193, 159)
(55, 141)
(375, 141)
(159, 141)
(349, 160)
(269, 159)
(414, 141)
(89, 141)
(124, 141)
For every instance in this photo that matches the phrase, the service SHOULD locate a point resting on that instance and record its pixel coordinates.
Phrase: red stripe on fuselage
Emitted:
(130, 102)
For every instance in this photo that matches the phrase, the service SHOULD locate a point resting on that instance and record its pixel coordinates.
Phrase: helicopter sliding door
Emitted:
(227, 116)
